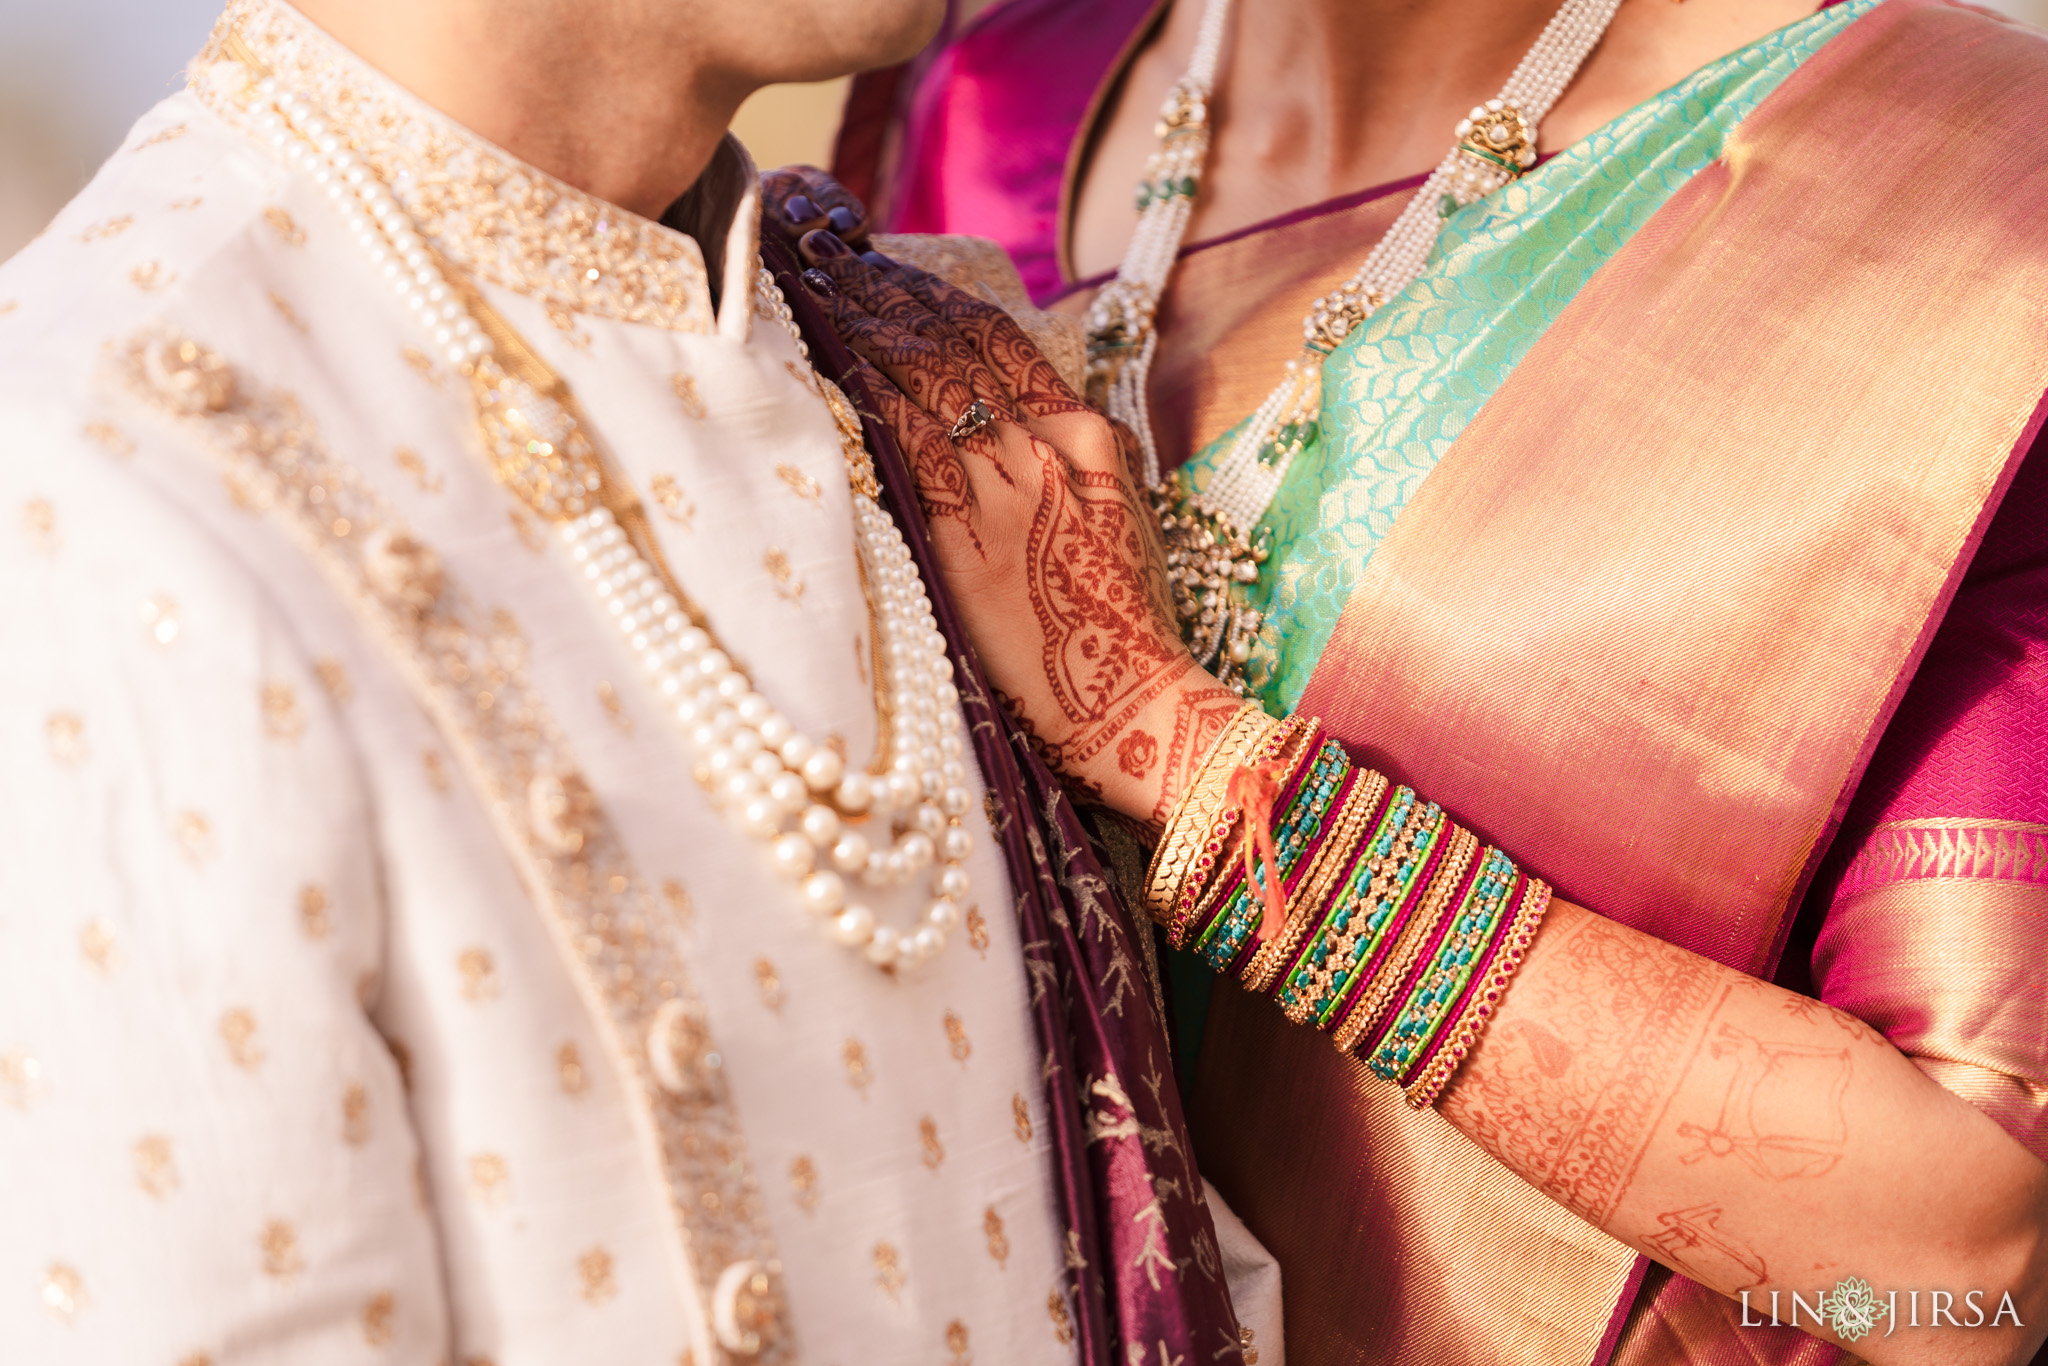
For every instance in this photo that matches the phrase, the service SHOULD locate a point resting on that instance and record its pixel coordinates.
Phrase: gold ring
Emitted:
(972, 421)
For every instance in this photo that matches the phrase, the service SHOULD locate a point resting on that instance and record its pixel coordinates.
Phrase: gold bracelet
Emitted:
(1306, 907)
(1483, 998)
(1390, 979)
(1193, 811)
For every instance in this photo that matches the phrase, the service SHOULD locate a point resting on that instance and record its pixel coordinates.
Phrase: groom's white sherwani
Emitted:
(376, 981)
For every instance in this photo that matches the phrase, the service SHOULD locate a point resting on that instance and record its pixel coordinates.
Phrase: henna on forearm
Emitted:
(1739, 1133)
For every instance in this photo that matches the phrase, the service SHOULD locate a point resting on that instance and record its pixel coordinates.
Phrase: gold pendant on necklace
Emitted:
(1211, 565)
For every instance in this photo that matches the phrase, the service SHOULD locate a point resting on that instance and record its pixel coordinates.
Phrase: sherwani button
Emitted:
(746, 1305)
(679, 1050)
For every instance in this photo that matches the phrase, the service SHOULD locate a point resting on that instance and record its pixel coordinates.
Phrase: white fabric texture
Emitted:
(298, 1058)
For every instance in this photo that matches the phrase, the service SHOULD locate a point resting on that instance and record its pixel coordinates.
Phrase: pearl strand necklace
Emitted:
(776, 784)
(1213, 548)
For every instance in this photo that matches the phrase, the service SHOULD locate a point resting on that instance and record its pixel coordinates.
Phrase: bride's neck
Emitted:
(1317, 98)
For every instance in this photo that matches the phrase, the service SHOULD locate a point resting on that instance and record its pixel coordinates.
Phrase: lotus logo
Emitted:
(1853, 1308)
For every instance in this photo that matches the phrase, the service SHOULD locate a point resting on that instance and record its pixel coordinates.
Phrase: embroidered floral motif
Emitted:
(96, 941)
(956, 1343)
(770, 983)
(63, 1290)
(313, 921)
(282, 717)
(789, 585)
(436, 769)
(686, 394)
(21, 1079)
(378, 1311)
(1020, 1116)
(490, 215)
(111, 438)
(888, 1270)
(595, 1273)
(1062, 1322)
(333, 676)
(801, 484)
(156, 1169)
(614, 709)
(194, 834)
(238, 1032)
(489, 1175)
(479, 975)
(998, 1240)
(670, 498)
(279, 1244)
(424, 479)
(856, 1058)
(957, 1042)
(569, 1070)
(355, 1115)
(65, 733)
(422, 364)
(110, 227)
(159, 619)
(39, 525)
(150, 276)
(803, 1183)
(977, 931)
(928, 1136)
(288, 232)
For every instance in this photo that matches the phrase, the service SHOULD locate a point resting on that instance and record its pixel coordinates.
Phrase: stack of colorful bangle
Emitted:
(1401, 932)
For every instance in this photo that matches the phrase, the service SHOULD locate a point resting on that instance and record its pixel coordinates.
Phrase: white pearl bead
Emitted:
(903, 790)
(955, 801)
(885, 947)
(929, 942)
(788, 791)
(957, 844)
(823, 770)
(916, 850)
(854, 926)
(824, 893)
(795, 750)
(794, 857)
(952, 881)
(821, 824)
(850, 852)
(944, 913)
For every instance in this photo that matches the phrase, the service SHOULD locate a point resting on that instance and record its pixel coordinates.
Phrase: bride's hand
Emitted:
(1050, 552)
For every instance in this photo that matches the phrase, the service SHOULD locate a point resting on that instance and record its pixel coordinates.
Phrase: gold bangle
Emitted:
(1306, 907)
(1400, 963)
(1482, 998)
(1218, 849)
(1193, 811)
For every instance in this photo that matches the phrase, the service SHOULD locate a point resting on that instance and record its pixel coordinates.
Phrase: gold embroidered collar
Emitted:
(487, 212)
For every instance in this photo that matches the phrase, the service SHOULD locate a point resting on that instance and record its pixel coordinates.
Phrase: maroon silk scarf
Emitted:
(1145, 1276)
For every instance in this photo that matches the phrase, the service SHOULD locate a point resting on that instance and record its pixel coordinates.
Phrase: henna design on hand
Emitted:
(1137, 752)
(994, 334)
(1198, 720)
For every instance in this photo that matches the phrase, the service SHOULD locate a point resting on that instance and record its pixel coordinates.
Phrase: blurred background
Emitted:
(75, 73)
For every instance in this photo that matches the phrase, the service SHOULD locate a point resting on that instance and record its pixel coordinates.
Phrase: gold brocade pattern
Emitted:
(466, 667)
(487, 212)
(1943, 847)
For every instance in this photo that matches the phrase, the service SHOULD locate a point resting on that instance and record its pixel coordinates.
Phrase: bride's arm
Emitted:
(1613, 1070)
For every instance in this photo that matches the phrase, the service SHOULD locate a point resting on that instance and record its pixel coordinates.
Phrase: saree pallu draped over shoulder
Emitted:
(1644, 625)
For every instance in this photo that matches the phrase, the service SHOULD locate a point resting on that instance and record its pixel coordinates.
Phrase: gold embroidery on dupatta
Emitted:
(1949, 847)
(467, 668)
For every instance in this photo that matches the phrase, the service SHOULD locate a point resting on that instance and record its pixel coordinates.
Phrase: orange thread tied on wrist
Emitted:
(1254, 793)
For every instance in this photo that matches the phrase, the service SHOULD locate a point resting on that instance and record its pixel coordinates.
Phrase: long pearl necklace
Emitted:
(1214, 547)
(779, 786)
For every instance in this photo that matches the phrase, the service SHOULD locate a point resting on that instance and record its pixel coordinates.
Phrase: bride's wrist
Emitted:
(1141, 769)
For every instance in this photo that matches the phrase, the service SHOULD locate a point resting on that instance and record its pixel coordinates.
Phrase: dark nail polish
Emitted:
(799, 209)
(818, 282)
(875, 258)
(842, 220)
(823, 243)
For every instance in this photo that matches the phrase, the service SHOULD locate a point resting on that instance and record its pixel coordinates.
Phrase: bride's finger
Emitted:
(945, 488)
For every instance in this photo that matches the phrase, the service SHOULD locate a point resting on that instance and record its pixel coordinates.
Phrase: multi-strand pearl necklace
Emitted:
(781, 787)
(1214, 548)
